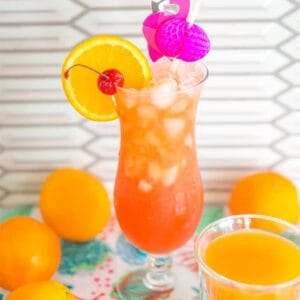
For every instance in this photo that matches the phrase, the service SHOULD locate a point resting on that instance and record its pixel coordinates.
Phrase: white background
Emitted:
(249, 116)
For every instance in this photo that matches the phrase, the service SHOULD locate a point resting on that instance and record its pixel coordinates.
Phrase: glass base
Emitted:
(156, 282)
(134, 288)
(159, 276)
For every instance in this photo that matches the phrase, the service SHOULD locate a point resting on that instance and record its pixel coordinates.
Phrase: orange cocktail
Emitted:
(250, 259)
(158, 190)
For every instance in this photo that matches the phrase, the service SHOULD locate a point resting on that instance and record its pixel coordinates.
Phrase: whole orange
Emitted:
(44, 290)
(29, 251)
(265, 193)
(75, 204)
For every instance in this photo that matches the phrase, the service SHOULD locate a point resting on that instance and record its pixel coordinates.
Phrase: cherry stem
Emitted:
(66, 74)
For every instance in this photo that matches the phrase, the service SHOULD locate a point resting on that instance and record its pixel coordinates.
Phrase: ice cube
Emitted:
(155, 171)
(189, 82)
(145, 186)
(174, 126)
(170, 176)
(179, 106)
(189, 76)
(188, 141)
(184, 70)
(147, 112)
(152, 139)
(162, 66)
(129, 98)
(163, 94)
(187, 72)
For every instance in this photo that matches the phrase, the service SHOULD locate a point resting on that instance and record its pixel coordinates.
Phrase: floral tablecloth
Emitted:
(92, 270)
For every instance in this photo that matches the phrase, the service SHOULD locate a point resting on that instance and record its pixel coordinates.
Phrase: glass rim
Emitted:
(244, 286)
(203, 79)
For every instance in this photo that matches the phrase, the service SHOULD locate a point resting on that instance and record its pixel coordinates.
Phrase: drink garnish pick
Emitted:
(172, 35)
(108, 80)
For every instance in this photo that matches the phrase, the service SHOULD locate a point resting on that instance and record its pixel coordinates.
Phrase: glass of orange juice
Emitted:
(158, 189)
(249, 257)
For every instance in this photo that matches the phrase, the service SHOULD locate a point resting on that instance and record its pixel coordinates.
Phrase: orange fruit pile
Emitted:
(265, 193)
(29, 251)
(75, 204)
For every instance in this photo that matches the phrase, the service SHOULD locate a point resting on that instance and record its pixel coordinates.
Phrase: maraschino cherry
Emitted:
(108, 81)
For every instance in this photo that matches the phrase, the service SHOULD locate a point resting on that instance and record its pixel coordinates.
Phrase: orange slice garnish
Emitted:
(101, 53)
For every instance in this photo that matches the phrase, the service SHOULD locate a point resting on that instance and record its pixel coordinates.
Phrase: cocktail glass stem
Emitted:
(159, 275)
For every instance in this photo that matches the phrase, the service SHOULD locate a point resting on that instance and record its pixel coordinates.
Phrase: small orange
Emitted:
(44, 290)
(265, 193)
(93, 57)
(29, 251)
(75, 204)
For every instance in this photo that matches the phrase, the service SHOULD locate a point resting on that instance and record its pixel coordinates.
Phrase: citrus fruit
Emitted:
(75, 204)
(44, 290)
(94, 60)
(265, 193)
(29, 251)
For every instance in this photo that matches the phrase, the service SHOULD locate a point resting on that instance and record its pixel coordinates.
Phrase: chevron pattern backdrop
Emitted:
(249, 117)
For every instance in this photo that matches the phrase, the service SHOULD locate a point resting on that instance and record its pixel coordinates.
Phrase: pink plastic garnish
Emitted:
(172, 36)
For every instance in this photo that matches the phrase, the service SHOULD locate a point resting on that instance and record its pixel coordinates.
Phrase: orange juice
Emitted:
(158, 190)
(252, 257)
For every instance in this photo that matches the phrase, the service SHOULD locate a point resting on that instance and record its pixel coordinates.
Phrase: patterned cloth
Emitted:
(100, 268)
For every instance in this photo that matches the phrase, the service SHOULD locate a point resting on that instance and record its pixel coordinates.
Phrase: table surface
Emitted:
(93, 269)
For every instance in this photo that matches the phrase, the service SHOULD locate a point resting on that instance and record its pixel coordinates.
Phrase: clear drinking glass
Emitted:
(214, 286)
(158, 190)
